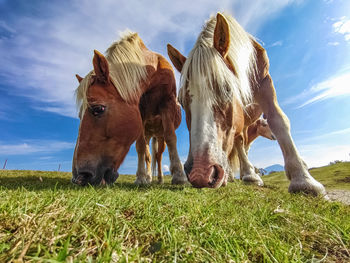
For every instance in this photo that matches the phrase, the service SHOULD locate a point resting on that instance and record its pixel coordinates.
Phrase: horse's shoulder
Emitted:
(163, 64)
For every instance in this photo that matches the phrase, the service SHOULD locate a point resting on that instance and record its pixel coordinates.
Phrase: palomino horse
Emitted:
(130, 94)
(225, 71)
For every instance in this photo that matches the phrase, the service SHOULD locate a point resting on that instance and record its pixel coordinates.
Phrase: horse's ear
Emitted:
(78, 78)
(221, 35)
(101, 67)
(176, 57)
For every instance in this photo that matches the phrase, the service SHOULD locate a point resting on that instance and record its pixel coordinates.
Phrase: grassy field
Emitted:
(44, 218)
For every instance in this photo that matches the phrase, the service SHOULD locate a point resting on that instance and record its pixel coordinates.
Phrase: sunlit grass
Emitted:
(43, 217)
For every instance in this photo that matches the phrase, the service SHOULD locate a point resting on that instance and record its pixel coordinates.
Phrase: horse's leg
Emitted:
(295, 167)
(247, 171)
(176, 168)
(148, 160)
(234, 163)
(159, 156)
(141, 176)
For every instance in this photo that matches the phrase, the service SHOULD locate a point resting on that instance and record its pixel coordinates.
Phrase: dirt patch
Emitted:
(340, 195)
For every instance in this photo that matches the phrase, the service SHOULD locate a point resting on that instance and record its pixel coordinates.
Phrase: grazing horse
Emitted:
(130, 94)
(226, 71)
(259, 128)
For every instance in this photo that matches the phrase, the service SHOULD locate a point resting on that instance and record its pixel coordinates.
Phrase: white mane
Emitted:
(126, 70)
(205, 67)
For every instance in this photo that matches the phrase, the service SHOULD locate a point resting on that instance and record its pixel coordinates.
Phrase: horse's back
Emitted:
(159, 96)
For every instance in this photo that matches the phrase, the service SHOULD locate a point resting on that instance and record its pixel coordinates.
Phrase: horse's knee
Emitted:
(140, 145)
(277, 119)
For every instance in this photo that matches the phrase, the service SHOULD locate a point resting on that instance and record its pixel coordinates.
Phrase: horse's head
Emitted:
(210, 96)
(264, 130)
(108, 127)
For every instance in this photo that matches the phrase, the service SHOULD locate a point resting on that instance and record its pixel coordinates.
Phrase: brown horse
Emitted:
(130, 94)
(226, 71)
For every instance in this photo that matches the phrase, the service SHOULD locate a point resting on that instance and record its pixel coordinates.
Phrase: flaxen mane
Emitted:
(126, 70)
(205, 67)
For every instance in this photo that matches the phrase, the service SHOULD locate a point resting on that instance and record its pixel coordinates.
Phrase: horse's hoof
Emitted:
(253, 179)
(307, 185)
(179, 180)
(160, 181)
(141, 181)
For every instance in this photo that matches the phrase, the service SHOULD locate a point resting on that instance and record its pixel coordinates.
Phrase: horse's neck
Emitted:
(252, 133)
(152, 64)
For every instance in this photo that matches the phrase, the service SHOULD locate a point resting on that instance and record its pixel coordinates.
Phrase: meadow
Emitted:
(44, 218)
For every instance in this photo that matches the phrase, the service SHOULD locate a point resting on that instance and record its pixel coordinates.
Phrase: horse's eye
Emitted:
(97, 110)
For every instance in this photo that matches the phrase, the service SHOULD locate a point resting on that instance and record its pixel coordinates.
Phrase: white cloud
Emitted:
(41, 54)
(333, 43)
(333, 87)
(34, 146)
(45, 158)
(276, 44)
(328, 134)
(166, 168)
(343, 27)
(6, 27)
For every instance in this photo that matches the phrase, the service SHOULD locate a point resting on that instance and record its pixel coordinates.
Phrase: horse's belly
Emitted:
(153, 126)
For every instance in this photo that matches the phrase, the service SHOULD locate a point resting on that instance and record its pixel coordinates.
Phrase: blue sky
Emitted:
(43, 44)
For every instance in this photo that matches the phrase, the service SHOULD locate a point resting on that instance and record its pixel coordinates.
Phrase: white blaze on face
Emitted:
(204, 135)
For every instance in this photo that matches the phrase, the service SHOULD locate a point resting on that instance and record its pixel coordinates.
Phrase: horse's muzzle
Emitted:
(85, 177)
(211, 177)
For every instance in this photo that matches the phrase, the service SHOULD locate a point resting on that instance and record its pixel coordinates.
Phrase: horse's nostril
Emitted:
(82, 178)
(213, 178)
(110, 176)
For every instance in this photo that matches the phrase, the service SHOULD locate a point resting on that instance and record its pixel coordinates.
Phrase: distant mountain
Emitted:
(275, 168)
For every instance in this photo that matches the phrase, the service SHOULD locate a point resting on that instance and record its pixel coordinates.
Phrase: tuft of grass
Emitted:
(43, 217)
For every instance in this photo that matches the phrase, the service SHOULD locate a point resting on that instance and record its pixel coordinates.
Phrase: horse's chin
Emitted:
(109, 177)
(103, 182)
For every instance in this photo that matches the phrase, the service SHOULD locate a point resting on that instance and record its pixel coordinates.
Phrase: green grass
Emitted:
(335, 176)
(43, 217)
